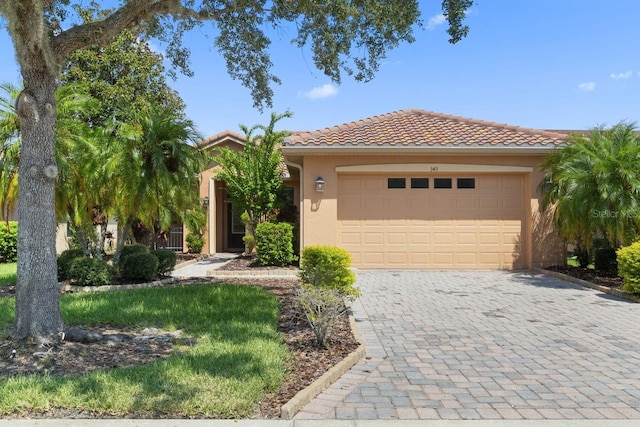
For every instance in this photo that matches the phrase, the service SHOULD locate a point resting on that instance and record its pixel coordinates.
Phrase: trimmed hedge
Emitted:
(139, 266)
(328, 266)
(8, 242)
(90, 272)
(274, 243)
(629, 267)
(135, 248)
(166, 260)
(65, 259)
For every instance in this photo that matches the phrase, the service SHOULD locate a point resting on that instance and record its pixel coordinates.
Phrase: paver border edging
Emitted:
(614, 292)
(306, 395)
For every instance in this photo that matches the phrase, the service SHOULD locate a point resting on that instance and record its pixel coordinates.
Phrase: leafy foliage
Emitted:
(593, 185)
(139, 266)
(156, 168)
(274, 243)
(253, 176)
(629, 267)
(90, 272)
(8, 242)
(166, 260)
(195, 242)
(64, 262)
(136, 248)
(328, 266)
(9, 151)
(321, 307)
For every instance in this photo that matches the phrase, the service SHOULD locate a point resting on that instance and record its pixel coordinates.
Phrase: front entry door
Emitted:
(235, 229)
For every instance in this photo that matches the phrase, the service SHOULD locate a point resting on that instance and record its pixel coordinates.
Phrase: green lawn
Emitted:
(573, 262)
(238, 359)
(8, 274)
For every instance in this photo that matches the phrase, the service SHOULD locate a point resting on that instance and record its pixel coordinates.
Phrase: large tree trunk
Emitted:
(37, 291)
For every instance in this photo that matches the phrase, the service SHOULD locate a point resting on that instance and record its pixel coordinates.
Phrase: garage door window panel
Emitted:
(396, 183)
(442, 183)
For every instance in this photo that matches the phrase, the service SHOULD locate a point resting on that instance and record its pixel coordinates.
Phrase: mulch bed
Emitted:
(308, 363)
(603, 278)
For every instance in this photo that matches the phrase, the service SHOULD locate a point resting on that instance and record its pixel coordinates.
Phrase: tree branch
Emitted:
(102, 32)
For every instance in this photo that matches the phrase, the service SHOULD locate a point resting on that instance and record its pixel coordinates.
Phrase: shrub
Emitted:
(65, 259)
(136, 248)
(8, 242)
(321, 306)
(166, 260)
(90, 272)
(328, 266)
(139, 266)
(605, 259)
(249, 243)
(195, 242)
(629, 267)
(274, 243)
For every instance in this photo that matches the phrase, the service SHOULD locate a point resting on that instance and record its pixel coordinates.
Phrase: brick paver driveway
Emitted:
(487, 345)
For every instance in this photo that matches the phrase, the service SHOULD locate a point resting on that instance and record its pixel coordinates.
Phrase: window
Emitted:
(396, 183)
(442, 183)
(419, 182)
(466, 183)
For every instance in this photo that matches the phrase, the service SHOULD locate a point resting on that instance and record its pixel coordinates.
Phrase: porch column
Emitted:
(211, 216)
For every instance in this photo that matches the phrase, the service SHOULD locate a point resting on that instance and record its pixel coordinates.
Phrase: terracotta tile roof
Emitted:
(414, 128)
(221, 136)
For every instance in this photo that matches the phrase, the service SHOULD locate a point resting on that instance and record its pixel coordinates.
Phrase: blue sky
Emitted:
(546, 64)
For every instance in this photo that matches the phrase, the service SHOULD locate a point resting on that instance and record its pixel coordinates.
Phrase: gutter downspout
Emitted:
(299, 167)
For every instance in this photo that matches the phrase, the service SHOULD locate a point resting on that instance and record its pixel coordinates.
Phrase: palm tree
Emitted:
(157, 169)
(594, 186)
(9, 151)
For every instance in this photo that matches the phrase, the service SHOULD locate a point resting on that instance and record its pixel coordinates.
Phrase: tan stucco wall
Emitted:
(320, 210)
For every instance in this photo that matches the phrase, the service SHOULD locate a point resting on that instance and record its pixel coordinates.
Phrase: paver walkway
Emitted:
(487, 345)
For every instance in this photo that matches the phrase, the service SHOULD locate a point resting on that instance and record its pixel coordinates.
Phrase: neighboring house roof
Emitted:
(417, 128)
(216, 139)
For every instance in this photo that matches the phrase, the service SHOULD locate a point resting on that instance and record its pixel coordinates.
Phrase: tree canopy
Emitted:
(345, 36)
(593, 185)
(253, 176)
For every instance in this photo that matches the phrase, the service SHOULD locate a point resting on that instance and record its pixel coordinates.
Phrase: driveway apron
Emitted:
(487, 345)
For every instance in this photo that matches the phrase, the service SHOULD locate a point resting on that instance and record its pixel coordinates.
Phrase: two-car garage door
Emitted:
(432, 221)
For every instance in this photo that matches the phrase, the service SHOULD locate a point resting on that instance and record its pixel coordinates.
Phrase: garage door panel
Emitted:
(397, 259)
(419, 238)
(372, 238)
(431, 228)
(397, 238)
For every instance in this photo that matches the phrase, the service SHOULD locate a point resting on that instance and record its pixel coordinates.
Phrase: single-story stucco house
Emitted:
(410, 189)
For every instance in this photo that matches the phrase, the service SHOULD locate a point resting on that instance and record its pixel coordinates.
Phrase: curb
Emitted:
(306, 395)
(613, 292)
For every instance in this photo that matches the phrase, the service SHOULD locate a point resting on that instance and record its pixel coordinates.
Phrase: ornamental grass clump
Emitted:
(327, 280)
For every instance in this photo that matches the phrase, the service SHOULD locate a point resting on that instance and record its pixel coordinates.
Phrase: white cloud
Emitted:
(434, 21)
(321, 92)
(587, 87)
(621, 75)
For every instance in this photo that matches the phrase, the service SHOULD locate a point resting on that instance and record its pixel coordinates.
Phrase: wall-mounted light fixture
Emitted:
(320, 184)
(205, 202)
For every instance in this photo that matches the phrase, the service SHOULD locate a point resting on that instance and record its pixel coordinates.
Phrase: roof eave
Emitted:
(368, 150)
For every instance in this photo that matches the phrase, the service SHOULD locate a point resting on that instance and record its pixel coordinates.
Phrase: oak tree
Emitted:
(345, 36)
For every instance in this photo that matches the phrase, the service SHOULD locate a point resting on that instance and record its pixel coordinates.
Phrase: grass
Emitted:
(238, 358)
(573, 262)
(8, 274)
